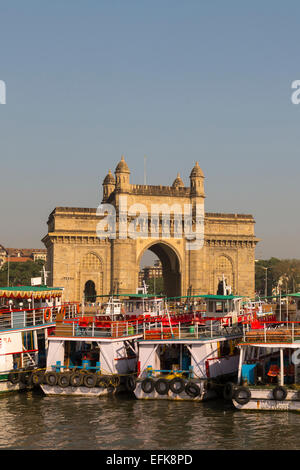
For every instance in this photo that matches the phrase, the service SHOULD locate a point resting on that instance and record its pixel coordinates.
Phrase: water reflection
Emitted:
(34, 421)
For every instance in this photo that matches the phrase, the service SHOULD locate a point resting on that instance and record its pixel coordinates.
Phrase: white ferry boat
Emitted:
(27, 318)
(191, 360)
(91, 357)
(269, 368)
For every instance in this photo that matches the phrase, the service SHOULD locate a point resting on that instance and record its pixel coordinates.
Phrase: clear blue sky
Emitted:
(176, 81)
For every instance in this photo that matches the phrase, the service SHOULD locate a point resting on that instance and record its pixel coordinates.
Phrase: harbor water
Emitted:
(33, 421)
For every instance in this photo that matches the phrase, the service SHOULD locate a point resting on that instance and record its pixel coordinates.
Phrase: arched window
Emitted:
(91, 262)
(224, 267)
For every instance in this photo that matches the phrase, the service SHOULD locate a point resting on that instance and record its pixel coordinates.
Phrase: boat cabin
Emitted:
(141, 305)
(222, 306)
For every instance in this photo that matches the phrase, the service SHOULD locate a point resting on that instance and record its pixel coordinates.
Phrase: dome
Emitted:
(178, 183)
(122, 166)
(109, 178)
(196, 171)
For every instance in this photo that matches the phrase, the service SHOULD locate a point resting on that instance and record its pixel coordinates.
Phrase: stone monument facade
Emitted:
(80, 261)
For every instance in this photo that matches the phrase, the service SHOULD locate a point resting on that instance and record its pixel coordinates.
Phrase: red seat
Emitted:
(256, 325)
(273, 371)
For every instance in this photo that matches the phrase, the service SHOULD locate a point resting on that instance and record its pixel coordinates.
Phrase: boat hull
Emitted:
(263, 400)
(7, 387)
(183, 396)
(75, 391)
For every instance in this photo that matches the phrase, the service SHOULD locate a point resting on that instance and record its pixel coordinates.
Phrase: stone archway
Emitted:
(91, 274)
(171, 267)
(224, 267)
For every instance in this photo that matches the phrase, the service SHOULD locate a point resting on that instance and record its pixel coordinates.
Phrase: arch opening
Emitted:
(90, 292)
(224, 271)
(160, 270)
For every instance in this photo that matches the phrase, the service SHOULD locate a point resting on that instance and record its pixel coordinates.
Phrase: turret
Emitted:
(122, 176)
(197, 181)
(178, 183)
(108, 185)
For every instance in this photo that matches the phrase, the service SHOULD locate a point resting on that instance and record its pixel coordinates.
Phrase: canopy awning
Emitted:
(29, 292)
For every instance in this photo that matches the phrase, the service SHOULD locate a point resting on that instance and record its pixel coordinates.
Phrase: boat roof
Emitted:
(36, 292)
(137, 296)
(209, 297)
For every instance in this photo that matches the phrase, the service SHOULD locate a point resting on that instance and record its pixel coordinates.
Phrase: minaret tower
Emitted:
(197, 182)
(122, 177)
(108, 185)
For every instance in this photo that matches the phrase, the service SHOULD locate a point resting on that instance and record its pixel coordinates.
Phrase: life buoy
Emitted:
(47, 314)
(228, 391)
(192, 389)
(76, 379)
(242, 395)
(279, 393)
(177, 385)
(63, 380)
(78, 309)
(51, 378)
(148, 385)
(162, 386)
(90, 380)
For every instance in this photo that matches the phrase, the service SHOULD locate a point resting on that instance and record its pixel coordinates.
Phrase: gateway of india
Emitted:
(81, 262)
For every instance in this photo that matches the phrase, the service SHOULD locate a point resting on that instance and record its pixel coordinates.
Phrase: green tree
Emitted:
(20, 274)
(155, 286)
(283, 271)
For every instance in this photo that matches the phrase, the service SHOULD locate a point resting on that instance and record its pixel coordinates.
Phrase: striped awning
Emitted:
(29, 292)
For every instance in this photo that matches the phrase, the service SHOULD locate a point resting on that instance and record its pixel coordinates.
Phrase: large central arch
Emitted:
(171, 266)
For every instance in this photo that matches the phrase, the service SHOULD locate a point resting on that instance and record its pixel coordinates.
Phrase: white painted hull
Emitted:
(262, 399)
(75, 391)
(183, 396)
(7, 387)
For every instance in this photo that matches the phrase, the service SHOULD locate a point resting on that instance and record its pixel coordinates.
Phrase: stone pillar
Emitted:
(123, 279)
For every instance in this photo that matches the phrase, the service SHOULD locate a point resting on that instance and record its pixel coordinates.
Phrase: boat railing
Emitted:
(159, 329)
(106, 329)
(26, 318)
(206, 329)
(271, 332)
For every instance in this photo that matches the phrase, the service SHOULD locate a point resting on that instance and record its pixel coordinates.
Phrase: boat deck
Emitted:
(34, 318)
(147, 330)
(277, 332)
